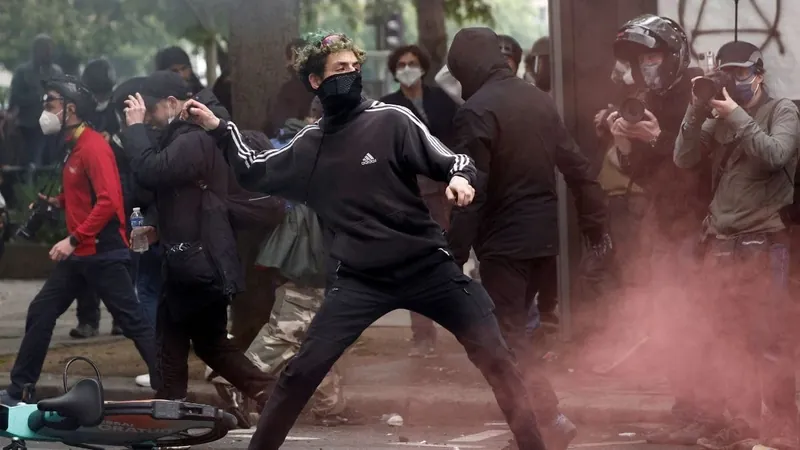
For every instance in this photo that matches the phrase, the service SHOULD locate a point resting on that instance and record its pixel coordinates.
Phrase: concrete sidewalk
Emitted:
(378, 379)
(425, 405)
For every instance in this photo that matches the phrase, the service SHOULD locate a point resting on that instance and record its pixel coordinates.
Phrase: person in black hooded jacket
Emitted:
(357, 168)
(187, 172)
(515, 135)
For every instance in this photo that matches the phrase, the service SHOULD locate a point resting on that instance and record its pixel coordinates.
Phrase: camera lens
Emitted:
(632, 110)
(705, 89)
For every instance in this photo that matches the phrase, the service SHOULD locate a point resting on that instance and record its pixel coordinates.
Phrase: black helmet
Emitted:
(650, 33)
(99, 76)
(73, 91)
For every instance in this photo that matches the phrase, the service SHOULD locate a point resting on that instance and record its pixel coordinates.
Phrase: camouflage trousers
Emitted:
(279, 341)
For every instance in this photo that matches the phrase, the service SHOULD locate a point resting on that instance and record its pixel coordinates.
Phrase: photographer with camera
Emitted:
(95, 254)
(753, 140)
(654, 206)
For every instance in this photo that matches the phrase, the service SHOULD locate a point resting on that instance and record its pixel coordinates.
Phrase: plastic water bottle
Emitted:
(139, 242)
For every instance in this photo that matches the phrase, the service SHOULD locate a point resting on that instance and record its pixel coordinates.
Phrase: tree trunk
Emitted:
(210, 51)
(432, 33)
(260, 30)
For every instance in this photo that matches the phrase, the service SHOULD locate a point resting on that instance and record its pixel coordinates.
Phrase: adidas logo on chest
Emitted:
(368, 159)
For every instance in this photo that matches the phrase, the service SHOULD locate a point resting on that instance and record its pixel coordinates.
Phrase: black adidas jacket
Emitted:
(361, 179)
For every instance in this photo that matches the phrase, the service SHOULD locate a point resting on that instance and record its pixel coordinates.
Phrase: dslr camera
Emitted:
(710, 86)
(41, 212)
(631, 109)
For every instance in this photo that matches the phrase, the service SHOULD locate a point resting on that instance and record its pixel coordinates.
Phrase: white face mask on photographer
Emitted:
(407, 76)
(50, 123)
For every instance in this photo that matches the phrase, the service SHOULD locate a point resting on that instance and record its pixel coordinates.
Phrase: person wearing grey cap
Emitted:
(752, 139)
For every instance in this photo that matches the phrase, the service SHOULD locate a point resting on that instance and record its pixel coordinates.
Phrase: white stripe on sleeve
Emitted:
(252, 156)
(461, 161)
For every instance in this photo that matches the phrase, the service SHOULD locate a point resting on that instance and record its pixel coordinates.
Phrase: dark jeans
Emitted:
(112, 282)
(547, 299)
(439, 291)
(513, 285)
(149, 279)
(190, 316)
(88, 311)
(753, 354)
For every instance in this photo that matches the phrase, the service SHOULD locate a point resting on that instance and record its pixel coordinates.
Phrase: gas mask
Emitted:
(50, 123)
(651, 73)
(622, 73)
(407, 76)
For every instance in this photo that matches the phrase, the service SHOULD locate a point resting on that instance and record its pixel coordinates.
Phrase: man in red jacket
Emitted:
(95, 253)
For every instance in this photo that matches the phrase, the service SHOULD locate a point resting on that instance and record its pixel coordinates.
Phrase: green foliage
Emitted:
(462, 11)
(86, 28)
(518, 18)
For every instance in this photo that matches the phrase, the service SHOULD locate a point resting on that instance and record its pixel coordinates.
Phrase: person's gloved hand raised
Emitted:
(196, 112)
(459, 192)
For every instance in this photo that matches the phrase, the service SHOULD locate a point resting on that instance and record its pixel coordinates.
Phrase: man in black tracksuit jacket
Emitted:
(184, 159)
(357, 168)
(515, 135)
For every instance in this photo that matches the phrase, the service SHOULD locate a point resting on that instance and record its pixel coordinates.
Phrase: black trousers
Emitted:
(442, 293)
(88, 311)
(513, 285)
(201, 318)
(112, 282)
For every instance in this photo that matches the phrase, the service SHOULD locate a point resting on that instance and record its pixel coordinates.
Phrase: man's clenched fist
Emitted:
(459, 192)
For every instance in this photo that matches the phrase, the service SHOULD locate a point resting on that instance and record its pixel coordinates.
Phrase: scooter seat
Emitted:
(83, 403)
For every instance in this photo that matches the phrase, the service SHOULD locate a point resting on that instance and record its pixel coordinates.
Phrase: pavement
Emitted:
(489, 435)
(441, 391)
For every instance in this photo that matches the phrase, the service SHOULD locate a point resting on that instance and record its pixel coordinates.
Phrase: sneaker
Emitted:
(556, 436)
(116, 330)
(7, 400)
(559, 433)
(83, 331)
(143, 380)
(737, 435)
(685, 434)
(346, 417)
(423, 349)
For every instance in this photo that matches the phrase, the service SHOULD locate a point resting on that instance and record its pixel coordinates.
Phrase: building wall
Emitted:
(769, 24)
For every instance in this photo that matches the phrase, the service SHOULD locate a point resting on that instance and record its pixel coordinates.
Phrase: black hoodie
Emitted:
(359, 174)
(515, 135)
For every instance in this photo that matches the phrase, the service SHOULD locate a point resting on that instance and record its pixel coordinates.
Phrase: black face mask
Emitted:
(340, 92)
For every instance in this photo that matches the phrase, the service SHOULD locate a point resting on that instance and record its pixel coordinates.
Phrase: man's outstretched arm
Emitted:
(272, 171)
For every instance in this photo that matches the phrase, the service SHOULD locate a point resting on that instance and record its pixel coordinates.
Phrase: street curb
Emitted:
(431, 405)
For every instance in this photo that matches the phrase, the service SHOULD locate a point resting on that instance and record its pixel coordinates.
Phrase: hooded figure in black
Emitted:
(357, 168)
(191, 181)
(514, 133)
